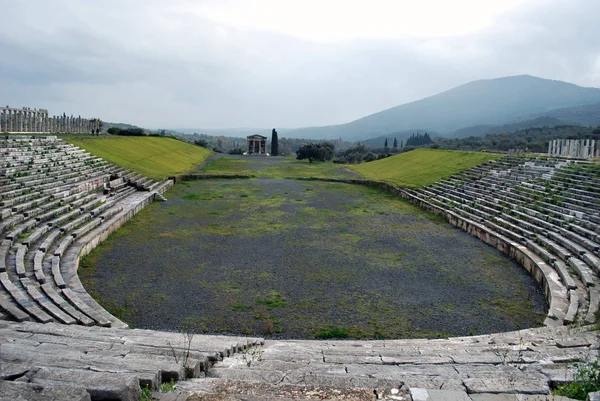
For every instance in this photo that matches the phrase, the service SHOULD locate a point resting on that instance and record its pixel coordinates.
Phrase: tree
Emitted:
(201, 142)
(385, 145)
(395, 143)
(274, 143)
(316, 151)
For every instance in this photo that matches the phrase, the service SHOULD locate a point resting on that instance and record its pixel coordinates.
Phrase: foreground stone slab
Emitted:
(17, 391)
(517, 397)
(100, 385)
(422, 394)
(506, 385)
(229, 390)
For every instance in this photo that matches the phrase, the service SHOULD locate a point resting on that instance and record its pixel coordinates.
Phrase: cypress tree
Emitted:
(395, 143)
(274, 143)
(385, 146)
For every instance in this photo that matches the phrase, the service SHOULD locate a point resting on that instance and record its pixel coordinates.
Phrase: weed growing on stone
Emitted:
(167, 387)
(182, 359)
(587, 380)
(146, 394)
(252, 354)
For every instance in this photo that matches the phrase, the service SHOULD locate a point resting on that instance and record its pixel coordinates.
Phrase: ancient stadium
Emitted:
(534, 217)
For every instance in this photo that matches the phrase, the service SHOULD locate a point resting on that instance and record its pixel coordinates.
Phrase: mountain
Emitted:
(491, 101)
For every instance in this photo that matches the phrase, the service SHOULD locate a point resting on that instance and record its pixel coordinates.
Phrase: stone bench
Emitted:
(9, 202)
(573, 307)
(49, 240)
(47, 304)
(14, 311)
(590, 245)
(20, 260)
(592, 313)
(56, 273)
(4, 250)
(10, 222)
(57, 211)
(84, 217)
(570, 245)
(52, 294)
(564, 274)
(60, 250)
(21, 228)
(23, 300)
(582, 270)
(555, 248)
(38, 268)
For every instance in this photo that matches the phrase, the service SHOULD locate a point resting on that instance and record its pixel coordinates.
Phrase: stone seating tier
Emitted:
(509, 213)
(66, 197)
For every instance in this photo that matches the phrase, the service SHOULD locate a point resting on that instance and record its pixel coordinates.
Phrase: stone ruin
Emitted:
(27, 120)
(57, 202)
(574, 148)
(256, 145)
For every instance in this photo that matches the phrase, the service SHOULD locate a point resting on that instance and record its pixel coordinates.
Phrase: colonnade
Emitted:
(39, 120)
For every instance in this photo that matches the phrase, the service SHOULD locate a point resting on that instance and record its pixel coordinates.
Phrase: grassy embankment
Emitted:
(154, 157)
(421, 166)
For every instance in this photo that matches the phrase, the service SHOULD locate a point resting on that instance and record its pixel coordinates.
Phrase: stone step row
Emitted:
(69, 361)
(510, 218)
(39, 230)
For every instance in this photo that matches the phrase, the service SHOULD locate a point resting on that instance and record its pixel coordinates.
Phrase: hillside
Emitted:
(154, 157)
(534, 139)
(421, 166)
(480, 130)
(491, 101)
(588, 115)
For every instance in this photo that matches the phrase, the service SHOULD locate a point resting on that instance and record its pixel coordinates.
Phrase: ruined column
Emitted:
(2, 118)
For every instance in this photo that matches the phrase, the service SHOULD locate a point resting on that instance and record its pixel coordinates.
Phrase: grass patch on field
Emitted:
(421, 166)
(279, 168)
(154, 157)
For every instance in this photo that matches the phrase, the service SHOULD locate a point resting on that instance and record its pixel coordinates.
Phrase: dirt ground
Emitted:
(306, 259)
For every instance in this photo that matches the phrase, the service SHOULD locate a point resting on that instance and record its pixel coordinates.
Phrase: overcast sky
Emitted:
(278, 63)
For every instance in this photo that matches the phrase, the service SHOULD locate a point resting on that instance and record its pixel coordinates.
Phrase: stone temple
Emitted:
(257, 145)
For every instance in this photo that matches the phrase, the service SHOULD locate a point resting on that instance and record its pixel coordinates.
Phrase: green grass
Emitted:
(287, 167)
(154, 157)
(421, 166)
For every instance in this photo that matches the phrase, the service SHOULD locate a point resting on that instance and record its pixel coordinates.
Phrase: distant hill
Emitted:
(588, 115)
(481, 130)
(491, 101)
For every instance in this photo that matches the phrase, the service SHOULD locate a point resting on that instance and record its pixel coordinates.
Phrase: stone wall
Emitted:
(14, 120)
(574, 148)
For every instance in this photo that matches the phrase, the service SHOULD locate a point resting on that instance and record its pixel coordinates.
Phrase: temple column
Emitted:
(27, 121)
